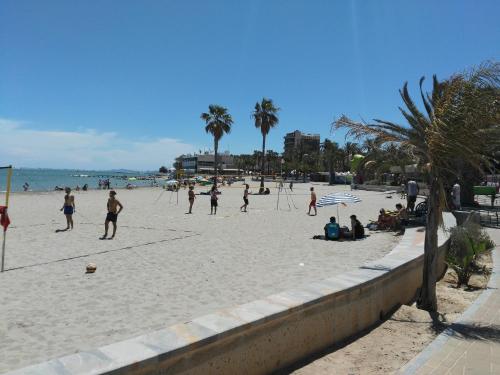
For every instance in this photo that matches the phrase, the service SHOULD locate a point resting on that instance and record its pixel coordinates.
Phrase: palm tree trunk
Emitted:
(263, 162)
(427, 299)
(216, 147)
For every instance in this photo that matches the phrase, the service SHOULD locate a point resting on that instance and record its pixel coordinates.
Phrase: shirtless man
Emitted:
(245, 198)
(112, 215)
(191, 197)
(313, 202)
(68, 208)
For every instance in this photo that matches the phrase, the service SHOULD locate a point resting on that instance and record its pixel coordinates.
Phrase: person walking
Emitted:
(213, 200)
(191, 197)
(245, 198)
(312, 204)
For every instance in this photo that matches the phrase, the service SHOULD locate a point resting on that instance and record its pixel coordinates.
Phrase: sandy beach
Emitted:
(164, 266)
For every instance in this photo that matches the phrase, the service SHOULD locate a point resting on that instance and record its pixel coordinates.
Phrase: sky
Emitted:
(121, 84)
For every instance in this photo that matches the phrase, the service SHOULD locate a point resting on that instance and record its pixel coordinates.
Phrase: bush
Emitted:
(467, 243)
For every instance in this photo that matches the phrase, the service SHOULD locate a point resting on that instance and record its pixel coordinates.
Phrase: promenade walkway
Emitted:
(472, 344)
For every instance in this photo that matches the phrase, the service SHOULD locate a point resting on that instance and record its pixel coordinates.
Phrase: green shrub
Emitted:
(467, 243)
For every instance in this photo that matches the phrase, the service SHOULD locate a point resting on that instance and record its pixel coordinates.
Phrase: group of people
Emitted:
(214, 199)
(396, 220)
(113, 205)
(333, 231)
(104, 184)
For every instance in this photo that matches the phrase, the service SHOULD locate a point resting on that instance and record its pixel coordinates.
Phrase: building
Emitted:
(204, 163)
(301, 143)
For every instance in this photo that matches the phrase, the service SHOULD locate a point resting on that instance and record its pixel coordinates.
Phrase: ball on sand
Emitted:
(91, 267)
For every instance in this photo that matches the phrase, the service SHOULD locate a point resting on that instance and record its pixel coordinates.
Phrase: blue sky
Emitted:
(111, 84)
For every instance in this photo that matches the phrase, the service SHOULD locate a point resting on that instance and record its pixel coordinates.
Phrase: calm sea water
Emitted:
(47, 179)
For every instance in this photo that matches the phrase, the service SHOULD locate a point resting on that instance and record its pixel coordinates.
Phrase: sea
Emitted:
(48, 179)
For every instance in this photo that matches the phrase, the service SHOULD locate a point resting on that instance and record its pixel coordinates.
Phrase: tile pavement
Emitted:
(471, 345)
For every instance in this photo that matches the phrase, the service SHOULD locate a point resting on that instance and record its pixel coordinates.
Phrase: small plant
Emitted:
(467, 243)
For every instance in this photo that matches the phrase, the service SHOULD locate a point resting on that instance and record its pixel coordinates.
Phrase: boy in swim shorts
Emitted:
(313, 202)
(112, 215)
(68, 208)
(213, 200)
(245, 198)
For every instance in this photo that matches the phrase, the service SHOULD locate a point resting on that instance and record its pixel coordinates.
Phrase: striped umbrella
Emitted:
(337, 199)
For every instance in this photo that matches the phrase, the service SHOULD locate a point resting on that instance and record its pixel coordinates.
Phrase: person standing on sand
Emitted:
(213, 200)
(291, 186)
(412, 191)
(68, 208)
(191, 198)
(112, 215)
(245, 198)
(313, 202)
(455, 194)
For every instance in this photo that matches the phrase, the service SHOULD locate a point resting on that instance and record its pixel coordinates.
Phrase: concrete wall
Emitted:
(268, 334)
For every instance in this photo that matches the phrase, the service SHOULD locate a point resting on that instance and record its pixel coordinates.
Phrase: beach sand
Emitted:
(164, 266)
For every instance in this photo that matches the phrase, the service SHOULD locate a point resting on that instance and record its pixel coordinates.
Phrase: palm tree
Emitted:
(218, 122)
(266, 117)
(460, 122)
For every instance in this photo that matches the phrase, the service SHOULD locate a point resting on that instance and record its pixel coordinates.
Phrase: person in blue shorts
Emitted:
(68, 208)
(332, 230)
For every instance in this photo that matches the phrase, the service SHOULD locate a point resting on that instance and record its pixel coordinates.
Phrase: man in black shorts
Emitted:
(112, 215)
(245, 199)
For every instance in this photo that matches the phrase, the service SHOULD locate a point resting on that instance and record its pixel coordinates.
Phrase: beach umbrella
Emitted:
(171, 182)
(337, 199)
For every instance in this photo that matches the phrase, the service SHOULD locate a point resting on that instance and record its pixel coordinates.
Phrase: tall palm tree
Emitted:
(266, 118)
(217, 122)
(460, 121)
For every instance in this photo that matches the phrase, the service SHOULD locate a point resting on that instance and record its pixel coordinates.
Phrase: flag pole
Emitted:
(7, 194)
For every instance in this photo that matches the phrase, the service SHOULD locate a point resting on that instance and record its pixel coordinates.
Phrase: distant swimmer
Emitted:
(112, 215)
(313, 202)
(191, 197)
(68, 208)
(245, 198)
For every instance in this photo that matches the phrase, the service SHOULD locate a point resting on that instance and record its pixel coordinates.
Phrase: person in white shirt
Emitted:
(411, 197)
(455, 193)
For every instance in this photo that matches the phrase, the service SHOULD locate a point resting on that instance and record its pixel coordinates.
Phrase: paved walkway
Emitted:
(472, 344)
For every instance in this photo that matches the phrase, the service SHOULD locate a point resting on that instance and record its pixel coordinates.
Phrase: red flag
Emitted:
(4, 218)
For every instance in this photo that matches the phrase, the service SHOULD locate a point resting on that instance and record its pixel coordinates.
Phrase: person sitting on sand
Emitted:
(357, 231)
(85, 187)
(312, 204)
(68, 208)
(213, 200)
(385, 221)
(245, 198)
(332, 230)
(267, 191)
(112, 215)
